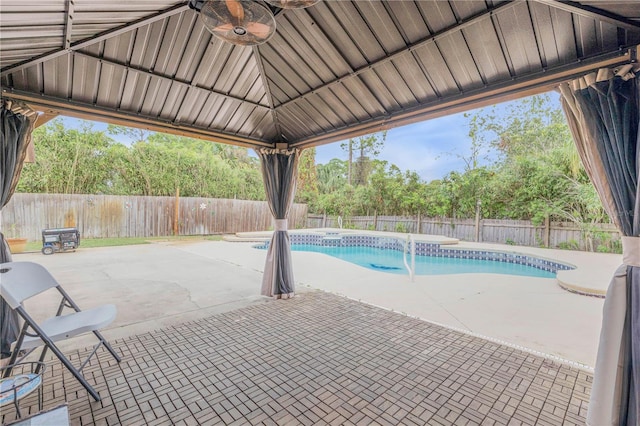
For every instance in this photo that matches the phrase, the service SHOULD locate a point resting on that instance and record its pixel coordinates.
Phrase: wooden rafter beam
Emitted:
(593, 13)
(45, 118)
(174, 10)
(31, 151)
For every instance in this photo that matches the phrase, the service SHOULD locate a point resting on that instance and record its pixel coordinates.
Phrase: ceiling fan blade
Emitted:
(259, 30)
(235, 9)
(223, 28)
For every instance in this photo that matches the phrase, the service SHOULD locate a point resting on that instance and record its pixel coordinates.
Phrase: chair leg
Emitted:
(49, 344)
(107, 345)
(72, 369)
(16, 350)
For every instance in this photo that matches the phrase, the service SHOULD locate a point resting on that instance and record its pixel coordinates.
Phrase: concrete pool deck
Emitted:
(201, 346)
(584, 279)
(164, 284)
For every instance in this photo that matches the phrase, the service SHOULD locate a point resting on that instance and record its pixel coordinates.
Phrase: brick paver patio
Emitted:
(318, 359)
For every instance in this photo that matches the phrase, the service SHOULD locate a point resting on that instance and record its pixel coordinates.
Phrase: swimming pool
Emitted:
(386, 254)
(392, 261)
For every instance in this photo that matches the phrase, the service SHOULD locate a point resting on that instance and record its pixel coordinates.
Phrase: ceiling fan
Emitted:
(244, 22)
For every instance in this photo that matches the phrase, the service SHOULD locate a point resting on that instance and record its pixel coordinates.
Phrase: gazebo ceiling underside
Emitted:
(332, 71)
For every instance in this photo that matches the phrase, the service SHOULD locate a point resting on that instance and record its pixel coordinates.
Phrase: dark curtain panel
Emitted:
(10, 325)
(603, 112)
(14, 139)
(17, 125)
(279, 172)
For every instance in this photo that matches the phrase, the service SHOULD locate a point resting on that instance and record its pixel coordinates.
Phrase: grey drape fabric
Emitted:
(10, 327)
(279, 172)
(15, 136)
(17, 126)
(604, 116)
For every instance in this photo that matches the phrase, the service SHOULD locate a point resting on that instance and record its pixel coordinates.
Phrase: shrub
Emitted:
(569, 245)
(401, 227)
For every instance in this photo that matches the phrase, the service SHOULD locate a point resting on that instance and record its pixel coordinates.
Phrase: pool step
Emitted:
(332, 241)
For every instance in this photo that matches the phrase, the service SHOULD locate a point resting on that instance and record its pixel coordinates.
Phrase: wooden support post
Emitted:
(176, 215)
(375, 220)
(324, 220)
(418, 224)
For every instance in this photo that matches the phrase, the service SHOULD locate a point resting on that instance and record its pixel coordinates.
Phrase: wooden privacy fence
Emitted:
(101, 216)
(517, 232)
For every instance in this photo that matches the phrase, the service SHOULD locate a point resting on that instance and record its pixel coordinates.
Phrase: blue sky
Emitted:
(430, 148)
(427, 148)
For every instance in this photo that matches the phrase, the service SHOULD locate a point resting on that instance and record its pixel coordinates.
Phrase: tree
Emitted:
(331, 176)
(369, 145)
(86, 161)
(307, 187)
(134, 134)
(539, 173)
(72, 161)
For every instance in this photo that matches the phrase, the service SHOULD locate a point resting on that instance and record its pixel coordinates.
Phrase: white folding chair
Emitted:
(20, 281)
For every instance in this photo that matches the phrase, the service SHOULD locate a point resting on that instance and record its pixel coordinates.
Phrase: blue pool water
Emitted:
(391, 261)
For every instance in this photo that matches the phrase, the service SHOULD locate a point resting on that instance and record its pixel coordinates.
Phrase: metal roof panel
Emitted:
(381, 25)
(414, 77)
(310, 44)
(57, 77)
(263, 127)
(86, 77)
(409, 20)
(332, 70)
(437, 14)
(110, 85)
(487, 51)
(379, 90)
(173, 101)
(516, 33)
(436, 70)
(460, 62)
(389, 76)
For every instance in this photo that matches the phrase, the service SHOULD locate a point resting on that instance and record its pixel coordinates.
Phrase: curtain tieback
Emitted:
(631, 251)
(281, 225)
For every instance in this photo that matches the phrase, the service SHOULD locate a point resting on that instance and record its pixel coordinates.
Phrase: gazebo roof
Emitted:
(332, 71)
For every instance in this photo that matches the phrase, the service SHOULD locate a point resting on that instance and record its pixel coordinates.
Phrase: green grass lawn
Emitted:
(110, 242)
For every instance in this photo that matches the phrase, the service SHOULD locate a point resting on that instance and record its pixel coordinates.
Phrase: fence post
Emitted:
(177, 212)
(375, 220)
(547, 231)
(478, 204)
(418, 223)
(324, 220)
